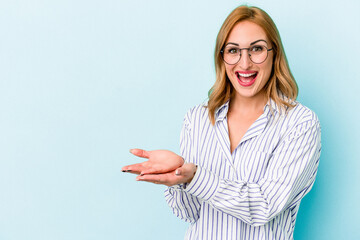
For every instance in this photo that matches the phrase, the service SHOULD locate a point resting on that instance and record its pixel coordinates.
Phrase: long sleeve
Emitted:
(184, 205)
(290, 174)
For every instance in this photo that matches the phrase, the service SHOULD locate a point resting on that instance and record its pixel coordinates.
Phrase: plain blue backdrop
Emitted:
(82, 82)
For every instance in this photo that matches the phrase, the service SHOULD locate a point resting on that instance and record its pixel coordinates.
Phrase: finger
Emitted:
(150, 168)
(132, 171)
(155, 169)
(149, 177)
(150, 171)
(134, 168)
(140, 153)
(142, 168)
(168, 179)
(153, 178)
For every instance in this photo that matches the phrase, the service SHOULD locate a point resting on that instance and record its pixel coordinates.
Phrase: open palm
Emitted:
(159, 161)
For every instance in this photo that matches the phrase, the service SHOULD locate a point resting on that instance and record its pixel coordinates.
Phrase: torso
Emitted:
(202, 143)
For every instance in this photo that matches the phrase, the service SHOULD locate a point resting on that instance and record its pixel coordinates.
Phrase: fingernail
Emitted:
(177, 172)
(130, 150)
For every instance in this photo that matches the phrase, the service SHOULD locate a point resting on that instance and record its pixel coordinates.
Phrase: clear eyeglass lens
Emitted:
(257, 54)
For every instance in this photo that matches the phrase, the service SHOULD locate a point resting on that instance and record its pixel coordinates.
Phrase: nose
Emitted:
(245, 62)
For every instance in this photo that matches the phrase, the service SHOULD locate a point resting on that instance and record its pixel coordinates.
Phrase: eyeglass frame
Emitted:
(248, 49)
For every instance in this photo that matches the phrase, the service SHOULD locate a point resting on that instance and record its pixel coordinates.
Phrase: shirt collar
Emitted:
(276, 108)
(221, 112)
(272, 106)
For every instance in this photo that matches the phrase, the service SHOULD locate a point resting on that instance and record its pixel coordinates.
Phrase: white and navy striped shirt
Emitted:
(255, 192)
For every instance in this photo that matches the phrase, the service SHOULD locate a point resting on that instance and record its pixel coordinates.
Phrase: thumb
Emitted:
(178, 171)
(186, 172)
(183, 170)
(140, 153)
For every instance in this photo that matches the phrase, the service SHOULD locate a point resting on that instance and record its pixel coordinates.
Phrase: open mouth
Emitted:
(246, 79)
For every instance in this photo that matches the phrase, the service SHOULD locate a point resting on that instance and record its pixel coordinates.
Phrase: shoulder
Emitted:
(296, 114)
(199, 111)
(299, 114)
(197, 115)
(299, 120)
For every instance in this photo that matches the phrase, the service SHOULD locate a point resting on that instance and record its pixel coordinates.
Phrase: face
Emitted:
(248, 78)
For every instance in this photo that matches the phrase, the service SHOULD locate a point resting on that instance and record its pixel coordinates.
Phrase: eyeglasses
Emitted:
(257, 54)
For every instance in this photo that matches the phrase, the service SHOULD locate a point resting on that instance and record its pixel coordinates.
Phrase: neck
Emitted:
(247, 105)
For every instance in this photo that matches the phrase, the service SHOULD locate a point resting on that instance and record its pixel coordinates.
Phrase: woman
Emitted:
(251, 154)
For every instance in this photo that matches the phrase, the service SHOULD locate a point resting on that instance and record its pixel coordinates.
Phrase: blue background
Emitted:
(82, 82)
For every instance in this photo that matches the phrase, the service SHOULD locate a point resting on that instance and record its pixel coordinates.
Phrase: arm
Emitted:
(290, 175)
(167, 168)
(184, 205)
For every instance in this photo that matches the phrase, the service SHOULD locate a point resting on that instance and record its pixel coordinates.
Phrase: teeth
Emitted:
(246, 75)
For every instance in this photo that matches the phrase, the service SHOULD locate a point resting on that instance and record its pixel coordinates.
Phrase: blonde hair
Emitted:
(281, 81)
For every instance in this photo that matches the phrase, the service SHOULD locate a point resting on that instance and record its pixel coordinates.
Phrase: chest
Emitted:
(248, 160)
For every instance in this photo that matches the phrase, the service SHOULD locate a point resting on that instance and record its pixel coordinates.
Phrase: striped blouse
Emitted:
(254, 192)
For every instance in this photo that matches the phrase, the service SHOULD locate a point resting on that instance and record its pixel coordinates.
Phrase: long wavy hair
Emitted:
(281, 86)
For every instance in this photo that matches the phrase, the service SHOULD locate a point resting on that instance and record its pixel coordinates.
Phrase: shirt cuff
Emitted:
(181, 186)
(204, 184)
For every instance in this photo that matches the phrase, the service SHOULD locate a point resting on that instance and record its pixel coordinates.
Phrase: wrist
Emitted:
(192, 173)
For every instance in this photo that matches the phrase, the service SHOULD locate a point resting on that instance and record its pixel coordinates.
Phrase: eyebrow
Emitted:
(236, 44)
(258, 41)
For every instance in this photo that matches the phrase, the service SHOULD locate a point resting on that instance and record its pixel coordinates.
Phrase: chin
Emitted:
(248, 93)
